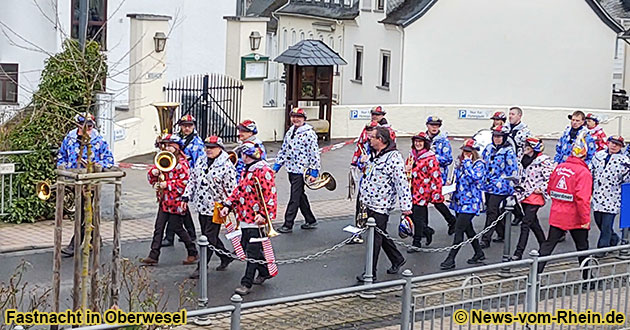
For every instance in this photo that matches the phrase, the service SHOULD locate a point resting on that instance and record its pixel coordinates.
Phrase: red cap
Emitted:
(500, 115)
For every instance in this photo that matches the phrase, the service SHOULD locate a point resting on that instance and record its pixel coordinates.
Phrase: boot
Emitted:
(477, 258)
(429, 234)
(416, 243)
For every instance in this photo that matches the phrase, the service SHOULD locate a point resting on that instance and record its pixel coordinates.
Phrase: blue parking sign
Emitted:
(624, 218)
(462, 114)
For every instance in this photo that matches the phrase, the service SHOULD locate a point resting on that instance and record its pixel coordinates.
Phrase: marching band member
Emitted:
(443, 152)
(502, 169)
(212, 180)
(361, 155)
(172, 208)
(532, 191)
(192, 145)
(247, 131)
(385, 183)
(519, 132)
(565, 144)
(610, 168)
(252, 213)
(467, 201)
(300, 153)
(426, 186)
(498, 119)
(596, 131)
(570, 188)
(68, 158)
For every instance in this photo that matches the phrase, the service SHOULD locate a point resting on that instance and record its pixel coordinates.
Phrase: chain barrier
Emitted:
(290, 261)
(447, 248)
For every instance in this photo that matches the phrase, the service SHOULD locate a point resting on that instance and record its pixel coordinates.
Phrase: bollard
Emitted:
(235, 321)
(406, 301)
(507, 236)
(202, 301)
(625, 253)
(369, 259)
(532, 284)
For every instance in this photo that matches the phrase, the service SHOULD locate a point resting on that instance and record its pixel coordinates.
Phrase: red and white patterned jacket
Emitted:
(360, 148)
(245, 202)
(599, 136)
(426, 178)
(176, 180)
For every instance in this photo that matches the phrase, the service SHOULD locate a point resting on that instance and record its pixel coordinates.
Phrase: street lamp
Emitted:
(254, 40)
(160, 41)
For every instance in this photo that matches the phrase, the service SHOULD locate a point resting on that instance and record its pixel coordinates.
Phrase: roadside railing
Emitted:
(8, 172)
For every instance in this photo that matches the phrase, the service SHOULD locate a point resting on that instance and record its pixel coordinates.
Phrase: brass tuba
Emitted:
(43, 190)
(232, 157)
(324, 180)
(166, 112)
(165, 161)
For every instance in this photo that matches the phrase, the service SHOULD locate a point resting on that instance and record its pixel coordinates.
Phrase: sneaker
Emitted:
(223, 266)
(166, 242)
(309, 225)
(395, 268)
(242, 290)
(260, 280)
(149, 261)
(285, 230)
(477, 258)
(356, 240)
(447, 264)
(190, 260)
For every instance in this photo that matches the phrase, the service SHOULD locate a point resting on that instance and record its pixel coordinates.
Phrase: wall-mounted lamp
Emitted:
(160, 41)
(254, 40)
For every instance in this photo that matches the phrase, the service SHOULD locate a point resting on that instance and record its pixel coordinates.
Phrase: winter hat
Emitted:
(248, 126)
(252, 151)
(592, 117)
(469, 145)
(500, 130)
(214, 141)
(536, 144)
(618, 139)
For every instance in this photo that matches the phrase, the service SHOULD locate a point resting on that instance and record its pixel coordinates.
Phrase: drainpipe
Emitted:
(402, 62)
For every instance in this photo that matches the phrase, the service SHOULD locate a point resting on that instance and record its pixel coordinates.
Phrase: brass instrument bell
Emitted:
(166, 112)
(324, 180)
(165, 161)
(43, 190)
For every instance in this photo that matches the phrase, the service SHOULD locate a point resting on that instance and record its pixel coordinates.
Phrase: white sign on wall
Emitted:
(7, 168)
(119, 133)
(362, 114)
(474, 114)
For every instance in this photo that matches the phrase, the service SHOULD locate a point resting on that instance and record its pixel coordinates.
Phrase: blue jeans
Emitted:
(607, 236)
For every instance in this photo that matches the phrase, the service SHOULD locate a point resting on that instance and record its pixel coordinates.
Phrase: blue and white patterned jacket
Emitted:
(467, 197)
(565, 145)
(501, 164)
(299, 151)
(194, 150)
(441, 146)
(240, 164)
(69, 151)
(385, 183)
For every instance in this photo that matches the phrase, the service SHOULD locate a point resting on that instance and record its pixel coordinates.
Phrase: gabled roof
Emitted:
(618, 9)
(310, 52)
(411, 10)
(330, 9)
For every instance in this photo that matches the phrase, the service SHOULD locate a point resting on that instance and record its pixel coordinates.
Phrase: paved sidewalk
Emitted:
(40, 234)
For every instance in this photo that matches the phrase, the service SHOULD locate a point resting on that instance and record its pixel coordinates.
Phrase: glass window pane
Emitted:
(97, 11)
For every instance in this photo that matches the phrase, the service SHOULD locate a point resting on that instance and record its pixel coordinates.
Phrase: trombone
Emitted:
(409, 162)
(267, 226)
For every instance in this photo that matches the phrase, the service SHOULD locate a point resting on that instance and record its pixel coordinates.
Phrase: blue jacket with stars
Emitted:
(69, 151)
(194, 150)
(467, 197)
(565, 145)
(501, 164)
(443, 152)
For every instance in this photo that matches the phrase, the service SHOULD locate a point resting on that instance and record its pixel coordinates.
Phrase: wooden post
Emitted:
(116, 248)
(60, 186)
(76, 282)
(96, 243)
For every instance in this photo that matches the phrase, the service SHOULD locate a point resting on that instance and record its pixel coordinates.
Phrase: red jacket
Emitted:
(245, 202)
(426, 179)
(176, 180)
(599, 136)
(570, 188)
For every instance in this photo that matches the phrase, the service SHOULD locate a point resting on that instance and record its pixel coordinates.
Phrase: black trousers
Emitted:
(392, 253)
(463, 225)
(176, 223)
(446, 213)
(530, 222)
(493, 203)
(253, 251)
(188, 224)
(297, 200)
(580, 238)
(211, 231)
(420, 217)
(82, 208)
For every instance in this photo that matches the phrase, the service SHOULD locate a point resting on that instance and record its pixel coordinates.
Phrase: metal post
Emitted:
(202, 301)
(235, 323)
(507, 244)
(406, 301)
(625, 253)
(369, 259)
(532, 284)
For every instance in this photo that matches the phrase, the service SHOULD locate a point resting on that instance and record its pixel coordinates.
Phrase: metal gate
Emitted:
(213, 99)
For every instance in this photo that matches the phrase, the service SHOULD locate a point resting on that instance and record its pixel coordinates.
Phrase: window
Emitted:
(380, 4)
(358, 63)
(97, 18)
(293, 37)
(284, 40)
(331, 42)
(301, 35)
(8, 83)
(385, 64)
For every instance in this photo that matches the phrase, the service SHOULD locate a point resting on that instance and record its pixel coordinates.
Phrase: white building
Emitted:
(483, 52)
(33, 30)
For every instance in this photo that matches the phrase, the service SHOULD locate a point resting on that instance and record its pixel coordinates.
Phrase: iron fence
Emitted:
(8, 171)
